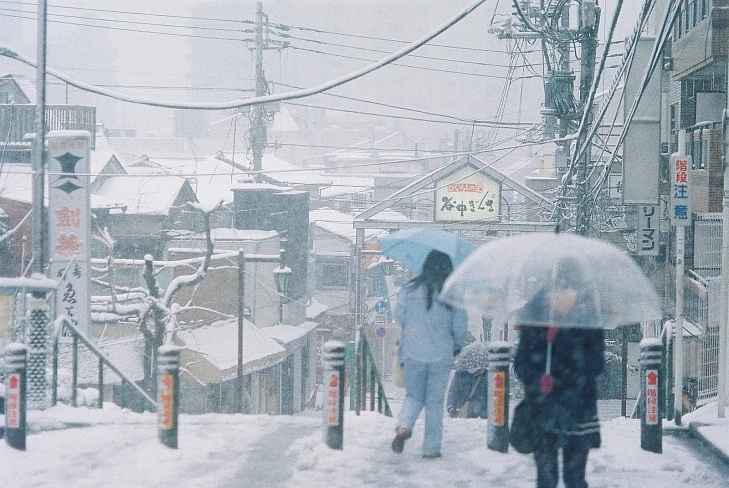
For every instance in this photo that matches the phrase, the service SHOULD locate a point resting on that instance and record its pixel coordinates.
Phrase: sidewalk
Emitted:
(705, 425)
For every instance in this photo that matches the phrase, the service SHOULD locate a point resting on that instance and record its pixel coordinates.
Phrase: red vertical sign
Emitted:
(332, 397)
(12, 409)
(651, 397)
(166, 406)
(499, 398)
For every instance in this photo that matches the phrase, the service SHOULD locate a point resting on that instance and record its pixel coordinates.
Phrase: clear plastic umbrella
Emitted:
(531, 278)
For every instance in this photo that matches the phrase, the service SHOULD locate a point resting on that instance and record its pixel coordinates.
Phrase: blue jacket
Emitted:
(429, 336)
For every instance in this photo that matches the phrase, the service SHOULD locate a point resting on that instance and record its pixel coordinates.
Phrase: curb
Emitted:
(694, 430)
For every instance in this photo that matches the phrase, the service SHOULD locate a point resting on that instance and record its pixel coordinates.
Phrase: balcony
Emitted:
(18, 120)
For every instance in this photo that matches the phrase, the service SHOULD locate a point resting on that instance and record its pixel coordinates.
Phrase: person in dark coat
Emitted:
(470, 386)
(565, 394)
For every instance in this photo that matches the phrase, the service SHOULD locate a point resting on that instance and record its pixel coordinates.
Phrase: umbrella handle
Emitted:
(547, 381)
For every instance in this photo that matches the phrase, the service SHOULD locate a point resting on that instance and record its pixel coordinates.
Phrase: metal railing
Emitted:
(369, 392)
(63, 322)
(18, 120)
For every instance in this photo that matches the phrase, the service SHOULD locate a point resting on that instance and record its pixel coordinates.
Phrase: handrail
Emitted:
(366, 364)
(58, 325)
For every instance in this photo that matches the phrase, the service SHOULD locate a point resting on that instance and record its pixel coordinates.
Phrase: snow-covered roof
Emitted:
(289, 335)
(390, 215)
(315, 308)
(340, 224)
(149, 195)
(25, 85)
(346, 185)
(219, 234)
(218, 344)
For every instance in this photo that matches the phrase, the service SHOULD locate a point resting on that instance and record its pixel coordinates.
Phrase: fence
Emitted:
(18, 120)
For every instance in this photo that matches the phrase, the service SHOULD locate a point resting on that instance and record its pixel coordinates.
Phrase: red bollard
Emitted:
(168, 394)
(15, 395)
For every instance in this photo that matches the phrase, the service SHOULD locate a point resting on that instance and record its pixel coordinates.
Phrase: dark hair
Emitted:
(436, 269)
(569, 274)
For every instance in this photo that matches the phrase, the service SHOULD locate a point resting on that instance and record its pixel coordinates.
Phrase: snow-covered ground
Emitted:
(86, 447)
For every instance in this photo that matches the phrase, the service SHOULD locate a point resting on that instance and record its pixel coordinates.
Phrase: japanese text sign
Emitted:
(467, 195)
(651, 397)
(648, 243)
(680, 211)
(332, 398)
(69, 219)
(12, 409)
(498, 384)
(166, 403)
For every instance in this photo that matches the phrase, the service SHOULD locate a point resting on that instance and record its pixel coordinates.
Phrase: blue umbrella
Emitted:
(411, 246)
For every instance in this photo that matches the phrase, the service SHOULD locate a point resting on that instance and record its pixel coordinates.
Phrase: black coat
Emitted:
(577, 358)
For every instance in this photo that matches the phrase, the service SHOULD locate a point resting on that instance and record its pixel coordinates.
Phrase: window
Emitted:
(332, 274)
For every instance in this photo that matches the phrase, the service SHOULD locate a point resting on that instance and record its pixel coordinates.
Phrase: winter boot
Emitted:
(398, 443)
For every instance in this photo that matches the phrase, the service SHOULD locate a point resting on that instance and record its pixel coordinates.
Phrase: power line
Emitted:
(439, 70)
(5, 51)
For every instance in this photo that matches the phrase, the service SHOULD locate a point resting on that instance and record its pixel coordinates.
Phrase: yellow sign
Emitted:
(467, 195)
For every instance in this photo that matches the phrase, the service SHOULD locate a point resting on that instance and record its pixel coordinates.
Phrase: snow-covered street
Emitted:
(116, 448)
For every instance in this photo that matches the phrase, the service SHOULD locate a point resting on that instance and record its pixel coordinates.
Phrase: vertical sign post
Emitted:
(69, 222)
(680, 215)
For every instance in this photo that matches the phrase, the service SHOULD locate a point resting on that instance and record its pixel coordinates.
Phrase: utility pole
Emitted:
(258, 125)
(38, 144)
(589, 22)
(261, 112)
(552, 26)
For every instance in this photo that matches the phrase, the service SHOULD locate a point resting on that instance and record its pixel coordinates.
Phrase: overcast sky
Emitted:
(154, 49)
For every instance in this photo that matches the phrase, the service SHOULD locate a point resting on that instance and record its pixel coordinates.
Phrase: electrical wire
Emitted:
(6, 51)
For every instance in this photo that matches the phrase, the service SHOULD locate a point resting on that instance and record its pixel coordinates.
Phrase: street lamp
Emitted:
(282, 275)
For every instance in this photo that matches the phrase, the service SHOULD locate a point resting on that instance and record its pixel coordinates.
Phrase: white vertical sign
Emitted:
(681, 167)
(648, 230)
(69, 222)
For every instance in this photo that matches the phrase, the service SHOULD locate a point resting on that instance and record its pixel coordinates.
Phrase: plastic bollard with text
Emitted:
(15, 395)
(651, 429)
(334, 394)
(168, 394)
(498, 396)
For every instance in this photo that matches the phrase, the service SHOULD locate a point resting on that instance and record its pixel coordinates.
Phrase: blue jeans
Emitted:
(425, 387)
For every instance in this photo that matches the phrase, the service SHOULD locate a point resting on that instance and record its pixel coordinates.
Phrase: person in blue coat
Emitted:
(433, 333)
